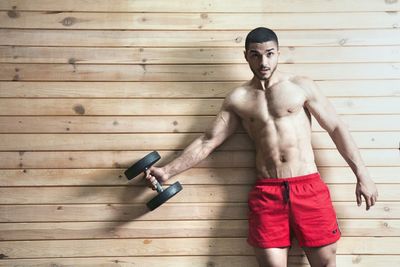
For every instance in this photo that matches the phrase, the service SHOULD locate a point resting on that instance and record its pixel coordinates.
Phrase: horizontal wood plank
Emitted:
(237, 72)
(169, 107)
(83, 55)
(165, 124)
(107, 38)
(199, 6)
(169, 229)
(141, 194)
(108, 177)
(165, 141)
(154, 229)
(198, 21)
(169, 211)
(132, 89)
(171, 247)
(218, 159)
(198, 261)
(164, 261)
(349, 88)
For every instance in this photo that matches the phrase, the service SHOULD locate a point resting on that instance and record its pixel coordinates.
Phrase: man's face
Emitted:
(262, 59)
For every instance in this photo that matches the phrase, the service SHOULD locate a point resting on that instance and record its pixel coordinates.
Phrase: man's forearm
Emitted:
(349, 151)
(198, 150)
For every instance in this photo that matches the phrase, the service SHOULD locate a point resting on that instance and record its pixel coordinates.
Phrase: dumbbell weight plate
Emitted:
(162, 197)
(142, 165)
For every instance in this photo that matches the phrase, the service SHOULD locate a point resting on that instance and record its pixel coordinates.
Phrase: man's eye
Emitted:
(270, 54)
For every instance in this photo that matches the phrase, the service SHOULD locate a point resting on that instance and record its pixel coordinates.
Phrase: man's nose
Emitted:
(264, 61)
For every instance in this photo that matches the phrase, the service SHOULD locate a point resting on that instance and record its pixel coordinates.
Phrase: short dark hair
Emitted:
(260, 35)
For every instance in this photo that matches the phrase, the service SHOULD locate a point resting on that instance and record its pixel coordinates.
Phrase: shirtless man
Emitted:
(289, 198)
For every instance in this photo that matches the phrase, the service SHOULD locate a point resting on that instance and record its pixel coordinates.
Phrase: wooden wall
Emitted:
(89, 87)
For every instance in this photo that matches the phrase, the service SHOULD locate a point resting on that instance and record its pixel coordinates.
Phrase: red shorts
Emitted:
(285, 207)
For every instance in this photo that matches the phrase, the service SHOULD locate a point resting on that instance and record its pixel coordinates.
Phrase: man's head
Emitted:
(262, 52)
(261, 35)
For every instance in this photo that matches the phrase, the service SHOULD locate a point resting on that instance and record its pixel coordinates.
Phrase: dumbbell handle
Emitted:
(158, 186)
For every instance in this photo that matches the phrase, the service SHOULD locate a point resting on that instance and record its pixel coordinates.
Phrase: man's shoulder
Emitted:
(308, 86)
(238, 92)
(302, 81)
(236, 96)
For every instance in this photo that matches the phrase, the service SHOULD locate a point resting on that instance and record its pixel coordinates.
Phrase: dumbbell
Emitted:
(142, 166)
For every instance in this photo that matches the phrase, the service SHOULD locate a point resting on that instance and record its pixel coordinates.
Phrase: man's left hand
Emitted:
(368, 190)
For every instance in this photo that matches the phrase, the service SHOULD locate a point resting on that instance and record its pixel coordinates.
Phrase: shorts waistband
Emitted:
(290, 180)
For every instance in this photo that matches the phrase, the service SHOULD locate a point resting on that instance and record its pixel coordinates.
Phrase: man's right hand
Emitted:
(156, 174)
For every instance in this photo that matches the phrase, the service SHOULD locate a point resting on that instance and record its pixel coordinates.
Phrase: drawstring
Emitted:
(286, 193)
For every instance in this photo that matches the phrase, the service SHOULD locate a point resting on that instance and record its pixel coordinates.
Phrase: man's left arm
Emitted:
(324, 112)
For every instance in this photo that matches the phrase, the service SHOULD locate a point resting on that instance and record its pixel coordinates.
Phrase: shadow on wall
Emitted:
(221, 241)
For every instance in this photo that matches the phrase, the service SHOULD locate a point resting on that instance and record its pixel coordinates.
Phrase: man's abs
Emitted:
(283, 148)
(282, 138)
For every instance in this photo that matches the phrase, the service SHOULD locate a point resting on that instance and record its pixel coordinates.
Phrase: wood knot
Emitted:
(343, 41)
(147, 241)
(117, 165)
(72, 61)
(13, 14)
(386, 209)
(238, 39)
(68, 21)
(79, 109)
(204, 16)
(356, 259)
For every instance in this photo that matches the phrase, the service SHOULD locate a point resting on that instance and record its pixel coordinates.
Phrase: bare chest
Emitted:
(263, 106)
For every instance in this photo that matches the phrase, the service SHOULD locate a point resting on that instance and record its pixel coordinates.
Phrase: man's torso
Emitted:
(280, 127)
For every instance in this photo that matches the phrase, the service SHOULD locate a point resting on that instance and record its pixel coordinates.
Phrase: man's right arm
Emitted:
(223, 126)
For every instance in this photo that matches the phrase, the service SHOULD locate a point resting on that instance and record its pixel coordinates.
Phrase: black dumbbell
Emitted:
(143, 165)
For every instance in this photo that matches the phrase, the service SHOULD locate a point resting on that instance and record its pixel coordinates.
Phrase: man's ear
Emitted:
(245, 54)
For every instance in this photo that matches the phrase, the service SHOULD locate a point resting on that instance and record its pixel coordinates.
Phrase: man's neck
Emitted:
(265, 84)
